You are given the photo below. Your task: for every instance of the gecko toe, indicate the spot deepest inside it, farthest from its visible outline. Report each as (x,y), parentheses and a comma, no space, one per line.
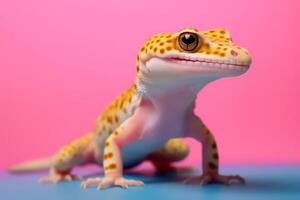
(89,182)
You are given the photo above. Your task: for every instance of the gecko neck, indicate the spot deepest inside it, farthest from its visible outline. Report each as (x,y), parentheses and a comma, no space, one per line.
(177,96)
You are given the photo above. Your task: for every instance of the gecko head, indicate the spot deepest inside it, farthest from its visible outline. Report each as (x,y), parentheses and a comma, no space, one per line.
(191,56)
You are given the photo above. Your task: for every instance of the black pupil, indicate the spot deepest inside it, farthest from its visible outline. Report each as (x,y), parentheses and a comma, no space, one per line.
(188,39)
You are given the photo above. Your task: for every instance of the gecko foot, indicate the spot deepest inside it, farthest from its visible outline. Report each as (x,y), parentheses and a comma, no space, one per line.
(110,181)
(56,178)
(215,178)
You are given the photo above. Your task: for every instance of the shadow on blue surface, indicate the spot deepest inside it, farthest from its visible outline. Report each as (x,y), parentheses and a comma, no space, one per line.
(263,182)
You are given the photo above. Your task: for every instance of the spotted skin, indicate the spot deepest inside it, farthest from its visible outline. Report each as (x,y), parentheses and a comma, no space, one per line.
(74,153)
(149,120)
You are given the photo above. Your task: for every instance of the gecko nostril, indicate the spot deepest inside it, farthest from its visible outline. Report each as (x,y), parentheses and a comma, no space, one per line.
(233,53)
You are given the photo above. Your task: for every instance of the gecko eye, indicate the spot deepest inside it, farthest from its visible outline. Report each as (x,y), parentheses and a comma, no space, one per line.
(189,41)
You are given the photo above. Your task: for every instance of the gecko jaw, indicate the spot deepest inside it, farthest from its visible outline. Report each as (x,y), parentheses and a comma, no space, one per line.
(208,62)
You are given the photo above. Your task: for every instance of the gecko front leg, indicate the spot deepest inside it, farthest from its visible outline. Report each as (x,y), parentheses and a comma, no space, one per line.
(210,156)
(130,130)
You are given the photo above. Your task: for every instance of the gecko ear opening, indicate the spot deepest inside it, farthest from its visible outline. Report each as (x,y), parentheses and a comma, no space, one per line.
(189,41)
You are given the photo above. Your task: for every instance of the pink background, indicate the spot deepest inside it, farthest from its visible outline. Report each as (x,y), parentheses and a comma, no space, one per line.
(62,61)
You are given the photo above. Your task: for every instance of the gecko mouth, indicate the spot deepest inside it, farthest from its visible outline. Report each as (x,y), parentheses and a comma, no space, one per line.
(226,64)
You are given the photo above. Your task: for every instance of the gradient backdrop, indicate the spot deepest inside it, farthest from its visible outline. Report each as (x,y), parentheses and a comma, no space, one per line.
(62,61)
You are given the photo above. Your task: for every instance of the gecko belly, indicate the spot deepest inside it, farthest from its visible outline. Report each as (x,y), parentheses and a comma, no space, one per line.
(154,138)
(136,152)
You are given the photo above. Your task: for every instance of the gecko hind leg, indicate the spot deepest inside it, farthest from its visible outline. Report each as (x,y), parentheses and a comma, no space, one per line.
(59,176)
(76,153)
(174,150)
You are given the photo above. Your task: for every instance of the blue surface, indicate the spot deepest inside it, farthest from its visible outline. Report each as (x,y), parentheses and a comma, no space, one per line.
(263,182)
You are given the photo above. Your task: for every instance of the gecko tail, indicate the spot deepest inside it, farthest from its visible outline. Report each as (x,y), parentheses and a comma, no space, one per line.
(30,166)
